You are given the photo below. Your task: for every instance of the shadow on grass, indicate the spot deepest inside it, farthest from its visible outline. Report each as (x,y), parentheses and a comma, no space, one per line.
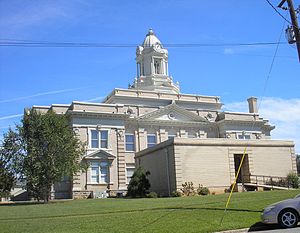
(171,209)
(21,203)
(24,203)
(259,226)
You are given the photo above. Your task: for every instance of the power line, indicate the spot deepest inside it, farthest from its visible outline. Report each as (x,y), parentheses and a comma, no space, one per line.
(112,45)
(278,12)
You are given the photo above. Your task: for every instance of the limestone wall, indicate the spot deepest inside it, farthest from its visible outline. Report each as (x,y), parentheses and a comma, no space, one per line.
(210,162)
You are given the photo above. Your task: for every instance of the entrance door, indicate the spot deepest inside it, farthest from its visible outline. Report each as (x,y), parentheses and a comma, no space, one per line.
(244,175)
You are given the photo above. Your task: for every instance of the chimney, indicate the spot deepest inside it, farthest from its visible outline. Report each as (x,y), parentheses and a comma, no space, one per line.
(252,102)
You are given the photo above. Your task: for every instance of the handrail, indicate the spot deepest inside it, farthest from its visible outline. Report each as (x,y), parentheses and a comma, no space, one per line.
(278,181)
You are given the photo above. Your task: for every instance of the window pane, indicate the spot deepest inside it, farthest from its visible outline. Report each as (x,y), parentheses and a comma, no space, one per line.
(95,144)
(151,140)
(95,135)
(104,137)
(104,174)
(95,175)
(244,137)
(94,139)
(129,140)
(130,147)
(129,173)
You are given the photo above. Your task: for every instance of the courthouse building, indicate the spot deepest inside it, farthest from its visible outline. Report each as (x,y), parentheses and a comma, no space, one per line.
(177,137)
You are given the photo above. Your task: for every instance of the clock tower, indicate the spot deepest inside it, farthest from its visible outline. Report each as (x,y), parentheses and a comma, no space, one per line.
(152,67)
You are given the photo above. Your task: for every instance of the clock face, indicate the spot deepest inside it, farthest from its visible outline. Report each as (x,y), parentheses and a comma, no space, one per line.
(157,46)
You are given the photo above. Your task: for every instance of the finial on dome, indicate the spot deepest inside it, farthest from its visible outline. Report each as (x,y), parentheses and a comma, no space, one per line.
(150,32)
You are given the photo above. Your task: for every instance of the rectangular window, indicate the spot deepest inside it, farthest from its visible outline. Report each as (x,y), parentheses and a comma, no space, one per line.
(129,173)
(99,138)
(99,172)
(244,136)
(94,139)
(129,140)
(151,140)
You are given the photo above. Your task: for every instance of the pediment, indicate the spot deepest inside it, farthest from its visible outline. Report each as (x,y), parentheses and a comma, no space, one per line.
(172,113)
(100,155)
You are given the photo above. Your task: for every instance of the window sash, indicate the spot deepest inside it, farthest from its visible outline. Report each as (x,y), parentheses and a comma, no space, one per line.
(94,139)
(129,142)
(243,136)
(99,172)
(129,174)
(151,140)
(104,174)
(99,139)
(104,138)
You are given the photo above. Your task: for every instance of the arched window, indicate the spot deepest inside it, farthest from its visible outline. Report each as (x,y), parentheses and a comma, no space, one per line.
(157,66)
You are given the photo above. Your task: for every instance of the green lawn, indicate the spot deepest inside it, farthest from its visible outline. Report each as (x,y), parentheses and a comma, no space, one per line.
(185,214)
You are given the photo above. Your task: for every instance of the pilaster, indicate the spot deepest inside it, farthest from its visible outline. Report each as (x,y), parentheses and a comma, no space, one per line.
(121,160)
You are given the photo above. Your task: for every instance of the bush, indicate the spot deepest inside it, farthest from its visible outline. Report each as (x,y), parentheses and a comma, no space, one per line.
(151,195)
(176,194)
(293,180)
(139,183)
(202,190)
(188,189)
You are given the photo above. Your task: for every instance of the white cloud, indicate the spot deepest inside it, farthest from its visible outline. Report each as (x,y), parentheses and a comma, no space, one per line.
(228,51)
(10,116)
(21,16)
(41,94)
(94,99)
(283,113)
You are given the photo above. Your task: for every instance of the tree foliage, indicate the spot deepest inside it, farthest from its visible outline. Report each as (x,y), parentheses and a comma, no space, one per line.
(11,161)
(139,184)
(43,149)
(53,151)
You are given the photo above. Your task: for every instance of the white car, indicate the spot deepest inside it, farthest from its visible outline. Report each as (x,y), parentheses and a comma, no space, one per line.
(285,213)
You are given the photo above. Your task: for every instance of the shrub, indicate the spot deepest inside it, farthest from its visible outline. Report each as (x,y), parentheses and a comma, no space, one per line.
(293,180)
(151,195)
(176,194)
(139,183)
(188,189)
(202,190)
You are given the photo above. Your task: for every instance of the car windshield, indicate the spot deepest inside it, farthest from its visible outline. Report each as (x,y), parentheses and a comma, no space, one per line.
(297,196)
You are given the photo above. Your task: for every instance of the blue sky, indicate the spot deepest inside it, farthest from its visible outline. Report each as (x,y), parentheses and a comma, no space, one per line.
(42,76)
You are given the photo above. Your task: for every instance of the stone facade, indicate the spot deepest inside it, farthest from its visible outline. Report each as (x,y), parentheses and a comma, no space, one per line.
(151,111)
(211,162)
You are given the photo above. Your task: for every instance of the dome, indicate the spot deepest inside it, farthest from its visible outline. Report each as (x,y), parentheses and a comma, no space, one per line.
(151,39)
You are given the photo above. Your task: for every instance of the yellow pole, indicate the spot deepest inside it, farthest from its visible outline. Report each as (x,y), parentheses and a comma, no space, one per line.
(234,183)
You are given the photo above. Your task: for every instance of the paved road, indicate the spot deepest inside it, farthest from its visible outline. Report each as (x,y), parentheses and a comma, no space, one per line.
(263,228)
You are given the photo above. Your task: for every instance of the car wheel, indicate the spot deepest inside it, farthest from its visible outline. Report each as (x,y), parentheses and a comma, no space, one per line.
(288,218)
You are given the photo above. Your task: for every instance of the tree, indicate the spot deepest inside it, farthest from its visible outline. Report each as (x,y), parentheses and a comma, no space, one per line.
(139,184)
(11,160)
(52,151)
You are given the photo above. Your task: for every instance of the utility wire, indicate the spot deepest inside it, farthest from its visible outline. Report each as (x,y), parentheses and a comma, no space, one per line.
(278,12)
(112,45)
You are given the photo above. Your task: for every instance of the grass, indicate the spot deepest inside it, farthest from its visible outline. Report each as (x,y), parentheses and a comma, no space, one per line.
(186,214)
